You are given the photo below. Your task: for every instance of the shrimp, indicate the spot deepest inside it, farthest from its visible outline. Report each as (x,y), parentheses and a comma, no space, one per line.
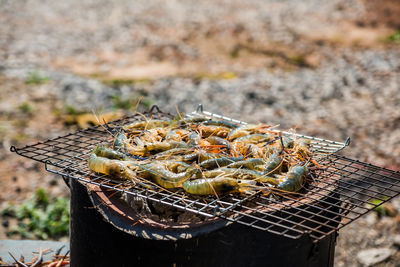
(294,179)
(220,185)
(172,152)
(208,130)
(220,123)
(178,166)
(254,138)
(165,178)
(240,148)
(195,119)
(173,135)
(218,162)
(200,156)
(215,140)
(120,142)
(288,142)
(112,167)
(237,133)
(273,165)
(152,135)
(268,180)
(183,133)
(301,149)
(251,164)
(178,144)
(233,173)
(109,153)
(146,125)
(155,147)
(246,130)
(194,139)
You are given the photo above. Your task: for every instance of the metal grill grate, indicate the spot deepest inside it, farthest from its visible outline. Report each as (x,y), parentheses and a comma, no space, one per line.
(341,193)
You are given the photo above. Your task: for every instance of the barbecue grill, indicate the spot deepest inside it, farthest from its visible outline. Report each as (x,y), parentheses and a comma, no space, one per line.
(340,194)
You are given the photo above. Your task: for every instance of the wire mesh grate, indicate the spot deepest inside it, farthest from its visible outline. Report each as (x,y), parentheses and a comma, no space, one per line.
(342,192)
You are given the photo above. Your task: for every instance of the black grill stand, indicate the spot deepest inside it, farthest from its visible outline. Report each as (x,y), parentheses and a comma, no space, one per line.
(95,242)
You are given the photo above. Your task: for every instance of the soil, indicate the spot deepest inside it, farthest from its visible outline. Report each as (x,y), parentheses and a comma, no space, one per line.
(328,68)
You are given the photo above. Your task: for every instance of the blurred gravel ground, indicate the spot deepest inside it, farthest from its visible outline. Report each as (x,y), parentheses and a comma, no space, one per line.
(326,68)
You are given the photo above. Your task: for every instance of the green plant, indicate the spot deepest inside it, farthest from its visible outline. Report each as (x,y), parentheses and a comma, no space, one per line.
(147,102)
(382,209)
(118,82)
(120,103)
(40,217)
(71,110)
(35,77)
(20,137)
(26,108)
(298,60)
(395,37)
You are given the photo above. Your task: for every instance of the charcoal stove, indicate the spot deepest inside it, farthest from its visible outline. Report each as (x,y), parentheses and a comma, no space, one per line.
(234,230)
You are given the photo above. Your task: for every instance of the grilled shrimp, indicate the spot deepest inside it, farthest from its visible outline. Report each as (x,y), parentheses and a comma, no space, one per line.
(273,165)
(165,178)
(173,135)
(172,152)
(146,125)
(251,164)
(155,147)
(220,123)
(120,142)
(194,139)
(194,119)
(294,179)
(218,162)
(288,142)
(248,150)
(177,166)
(218,185)
(152,135)
(201,156)
(245,157)
(246,130)
(237,133)
(215,140)
(159,146)
(209,130)
(231,172)
(109,153)
(115,168)
(254,138)
(301,148)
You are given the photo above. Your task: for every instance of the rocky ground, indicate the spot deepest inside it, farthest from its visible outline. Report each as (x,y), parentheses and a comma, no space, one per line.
(326,68)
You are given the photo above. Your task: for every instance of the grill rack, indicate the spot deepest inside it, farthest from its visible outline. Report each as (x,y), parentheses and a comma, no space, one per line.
(342,193)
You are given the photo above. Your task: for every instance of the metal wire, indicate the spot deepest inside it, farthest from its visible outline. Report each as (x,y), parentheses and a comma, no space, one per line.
(344,191)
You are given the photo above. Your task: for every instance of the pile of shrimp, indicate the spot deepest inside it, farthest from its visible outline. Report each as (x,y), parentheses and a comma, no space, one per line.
(206,157)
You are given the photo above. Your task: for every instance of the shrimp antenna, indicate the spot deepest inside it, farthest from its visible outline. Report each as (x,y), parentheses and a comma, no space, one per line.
(270,142)
(213,189)
(138,102)
(177,111)
(141,114)
(283,146)
(106,128)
